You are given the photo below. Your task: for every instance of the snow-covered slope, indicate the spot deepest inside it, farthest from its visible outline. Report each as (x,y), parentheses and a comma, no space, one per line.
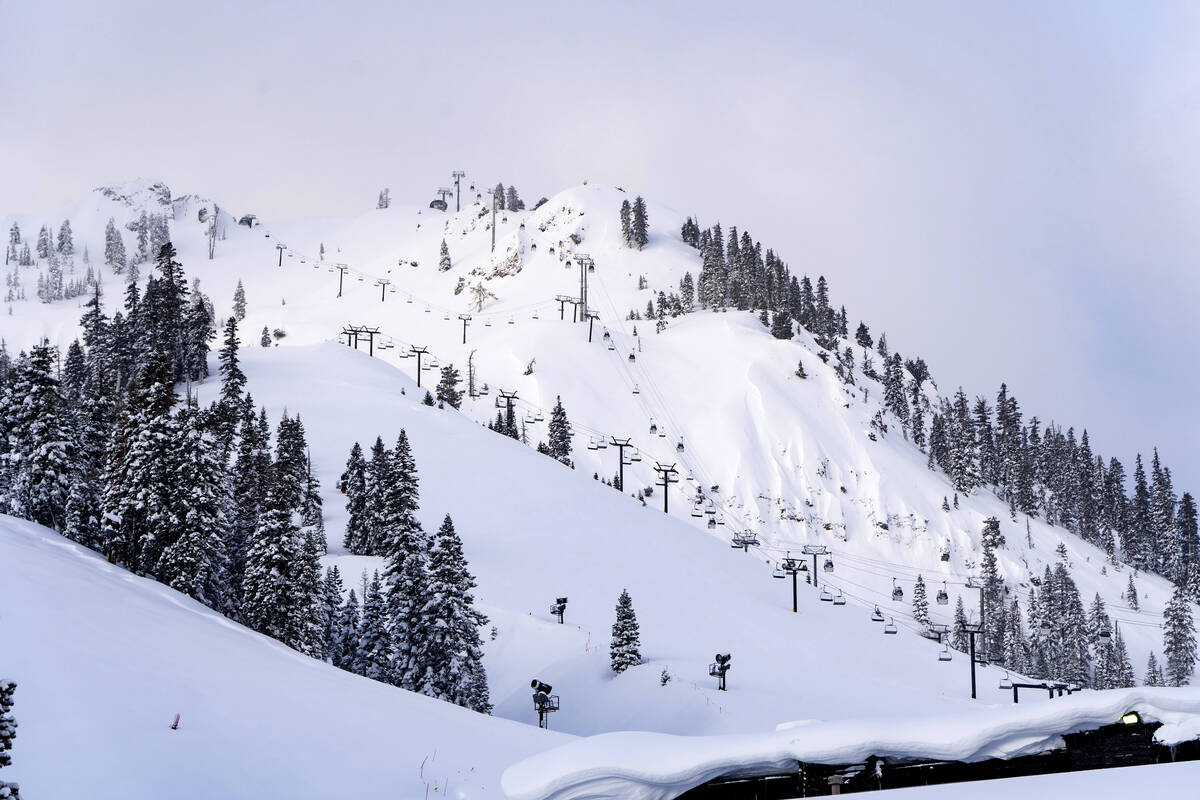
(104,661)
(791,458)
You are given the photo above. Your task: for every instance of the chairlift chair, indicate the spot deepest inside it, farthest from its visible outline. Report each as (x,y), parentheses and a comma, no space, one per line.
(512,321)
(487,323)
(653,428)
(828,565)
(839,599)
(826,596)
(679,447)
(606,336)
(409,300)
(778,573)
(944,655)
(890,628)
(632,357)
(1105,633)
(943,597)
(897,592)
(537,417)
(446,316)
(712,523)
(635,389)
(601,444)
(877,616)
(592,444)
(1006,681)
(696,512)
(612,346)
(360,279)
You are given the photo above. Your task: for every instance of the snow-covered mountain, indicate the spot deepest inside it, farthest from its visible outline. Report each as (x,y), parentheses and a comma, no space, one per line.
(796,461)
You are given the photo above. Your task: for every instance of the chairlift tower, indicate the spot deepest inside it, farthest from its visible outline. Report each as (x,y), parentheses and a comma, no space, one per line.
(505,400)
(793,567)
(457,175)
(562,301)
(620,444)
(465,319)
(558,608)
(815,550)
(667,474)
(972,630)
(382,283)
(352,332)
(591,321)
(418,351)
(977,583)
(586,265)
(342,270)
(280,246)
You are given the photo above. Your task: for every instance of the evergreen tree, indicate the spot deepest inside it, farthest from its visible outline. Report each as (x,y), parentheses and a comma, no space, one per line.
(687,292)
(40,458)
(331,615)
(276,598)
(920,602)
(455,671)
(195,561)
(372,657)
(239,302)
(1131,594)
(348,633)
(353,484)
(863,336)
(411,630)
(640,223)
(781,325)
(8,732)
(625,650)
(114,248)
(1123,677)
(444,258)
(958,636)
(1154,674)
(251,481)
(447,388)
(66,241)
(1179,639)
(627,223)
(559,446)
(233,383)
(265,339)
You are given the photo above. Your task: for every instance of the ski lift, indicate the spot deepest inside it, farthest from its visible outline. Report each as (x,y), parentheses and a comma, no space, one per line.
(877,615)
(537,417)
(360,278)
(1105,632)
(712,523)
(592,444)
(828,565)
(826,596)
(487,323)
(512,321)
(653,428)
(529,420)
(428,310)
(409,300)
(839,599)
(635,457)
(1045,625)
(484,392)
(632,357)
(945,654)
(612,346)
(606,336)
(601,444)
(1006,681)
(535,315)
(697,512)
(890,628)
(446,316)
(778,573)
(679,447)
(943,597)
(897,592)
(635,389)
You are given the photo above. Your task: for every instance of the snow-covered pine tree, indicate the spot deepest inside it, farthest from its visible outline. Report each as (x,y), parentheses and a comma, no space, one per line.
(239,301)
(41,456)
(1104,668)
(640,224)
(265,339)
(332,588)
(233,384)
(920,602)
(353,484)
(348,633)
(625,650)
(1131,594)
(114,248)
(1154,674)
(1123,677)
(274,599)
(958,633)
(195,562)
(8,732)
(410,630)
(455,657)
(447,388)
(781,325)
(289,472)
(1179,639)
(444,257)
(626,223)
(559,445)
(251,481)
(372,657)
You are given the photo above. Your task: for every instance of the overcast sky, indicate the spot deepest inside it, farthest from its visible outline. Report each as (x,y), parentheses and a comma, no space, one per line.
(1011,192)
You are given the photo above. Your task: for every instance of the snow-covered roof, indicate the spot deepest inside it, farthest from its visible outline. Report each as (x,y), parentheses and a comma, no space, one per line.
(652,766)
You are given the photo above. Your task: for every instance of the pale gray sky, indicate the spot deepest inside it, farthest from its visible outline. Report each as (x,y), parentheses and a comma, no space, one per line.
(1010,191)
